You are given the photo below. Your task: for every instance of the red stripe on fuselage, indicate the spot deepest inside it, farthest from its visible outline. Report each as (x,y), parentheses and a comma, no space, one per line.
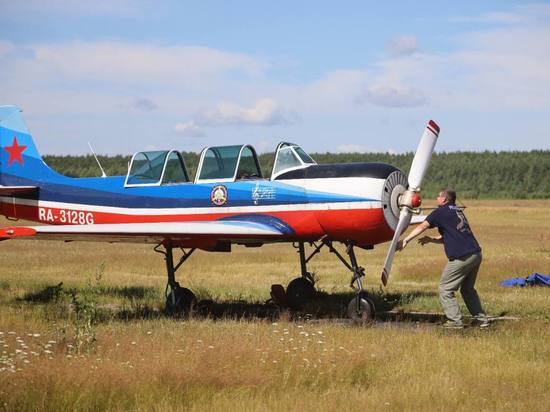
(363,226)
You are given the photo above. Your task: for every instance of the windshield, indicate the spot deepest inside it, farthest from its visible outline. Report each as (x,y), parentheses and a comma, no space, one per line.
(303,155)
(146,168)
(290,156)
(174,172)
(219,162)
(286,159)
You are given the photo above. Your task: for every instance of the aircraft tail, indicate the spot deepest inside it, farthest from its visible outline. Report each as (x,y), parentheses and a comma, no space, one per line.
(20,163)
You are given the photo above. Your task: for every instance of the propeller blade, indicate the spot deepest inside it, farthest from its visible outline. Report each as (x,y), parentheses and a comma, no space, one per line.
(423,155)
(402,224)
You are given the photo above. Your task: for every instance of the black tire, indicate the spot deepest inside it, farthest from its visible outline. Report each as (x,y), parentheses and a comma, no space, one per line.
(298,292)
(362,313)
(183,304)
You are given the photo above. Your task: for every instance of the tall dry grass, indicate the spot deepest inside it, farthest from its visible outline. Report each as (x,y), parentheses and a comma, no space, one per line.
(149,362)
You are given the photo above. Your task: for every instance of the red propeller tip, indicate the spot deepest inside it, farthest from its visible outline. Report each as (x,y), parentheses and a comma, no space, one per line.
(434,126)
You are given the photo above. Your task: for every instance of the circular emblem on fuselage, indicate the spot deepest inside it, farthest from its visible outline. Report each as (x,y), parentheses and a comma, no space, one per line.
(218,196)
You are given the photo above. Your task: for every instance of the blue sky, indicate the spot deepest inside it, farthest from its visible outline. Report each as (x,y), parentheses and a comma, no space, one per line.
(349,76)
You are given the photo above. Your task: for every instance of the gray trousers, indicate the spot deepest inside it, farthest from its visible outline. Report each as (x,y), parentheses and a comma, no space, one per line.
(460,274)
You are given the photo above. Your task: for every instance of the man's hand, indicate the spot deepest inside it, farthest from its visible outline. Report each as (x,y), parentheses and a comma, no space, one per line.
(425,239)
(401,245)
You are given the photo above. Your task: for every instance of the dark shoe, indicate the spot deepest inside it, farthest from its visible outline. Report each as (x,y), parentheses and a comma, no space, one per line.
(451,324)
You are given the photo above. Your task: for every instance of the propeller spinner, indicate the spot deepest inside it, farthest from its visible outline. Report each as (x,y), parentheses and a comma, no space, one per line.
(411,198)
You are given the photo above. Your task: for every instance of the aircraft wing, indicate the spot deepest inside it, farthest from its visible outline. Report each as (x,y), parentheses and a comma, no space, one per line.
(157,232)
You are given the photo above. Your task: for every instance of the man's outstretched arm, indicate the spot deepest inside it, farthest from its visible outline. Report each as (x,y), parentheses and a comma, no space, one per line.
(421,228)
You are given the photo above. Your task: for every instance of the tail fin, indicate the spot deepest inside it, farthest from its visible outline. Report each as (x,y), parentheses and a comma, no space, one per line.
(20,162)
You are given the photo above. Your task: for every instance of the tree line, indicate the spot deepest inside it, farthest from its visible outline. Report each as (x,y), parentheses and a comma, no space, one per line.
(495,175)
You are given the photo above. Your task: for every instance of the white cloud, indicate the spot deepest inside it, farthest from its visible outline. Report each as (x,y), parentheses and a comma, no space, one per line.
(402,46)
(393,96)
(359,148)
(264,112)
(140,103)
(127,63)
(352,148)
(332,93)
(95,77)
(189,129)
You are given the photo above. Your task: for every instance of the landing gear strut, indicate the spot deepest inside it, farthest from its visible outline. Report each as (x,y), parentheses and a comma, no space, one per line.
(361,307)
(300,290)
(179,301)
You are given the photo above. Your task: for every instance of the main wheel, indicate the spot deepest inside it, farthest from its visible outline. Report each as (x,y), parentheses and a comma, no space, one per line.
(180,301)
(361,309)
(298,292)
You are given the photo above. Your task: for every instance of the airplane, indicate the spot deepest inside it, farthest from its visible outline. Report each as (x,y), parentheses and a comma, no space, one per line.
(228,203)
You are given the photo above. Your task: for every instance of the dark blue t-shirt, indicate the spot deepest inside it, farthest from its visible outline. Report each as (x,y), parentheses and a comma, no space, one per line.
(458,239)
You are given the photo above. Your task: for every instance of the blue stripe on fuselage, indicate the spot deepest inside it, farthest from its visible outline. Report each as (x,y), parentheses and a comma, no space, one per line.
(110,191)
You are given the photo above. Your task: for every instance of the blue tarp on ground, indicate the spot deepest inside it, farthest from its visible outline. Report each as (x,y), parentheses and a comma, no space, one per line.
(535,279)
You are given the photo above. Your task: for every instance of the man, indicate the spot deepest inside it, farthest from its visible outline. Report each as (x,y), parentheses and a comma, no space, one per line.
(464,254)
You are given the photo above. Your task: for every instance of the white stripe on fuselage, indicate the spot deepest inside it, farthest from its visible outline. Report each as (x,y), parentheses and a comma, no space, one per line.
(362,187)
(369,204)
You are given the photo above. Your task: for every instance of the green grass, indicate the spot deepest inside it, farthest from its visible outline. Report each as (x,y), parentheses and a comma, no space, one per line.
(142,360)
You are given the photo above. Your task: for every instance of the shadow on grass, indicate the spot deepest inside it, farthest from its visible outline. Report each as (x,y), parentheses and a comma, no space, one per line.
(51,294)
(322,306)
(129,292)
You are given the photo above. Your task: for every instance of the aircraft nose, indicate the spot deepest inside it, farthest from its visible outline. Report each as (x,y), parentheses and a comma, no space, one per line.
(394,187)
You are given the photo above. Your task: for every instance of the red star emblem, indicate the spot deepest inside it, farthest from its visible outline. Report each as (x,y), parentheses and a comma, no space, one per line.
(15,151)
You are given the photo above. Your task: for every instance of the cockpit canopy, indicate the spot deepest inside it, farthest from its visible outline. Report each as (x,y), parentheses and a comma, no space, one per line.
(216,164)
(290,156)
(227,164)
(155,168)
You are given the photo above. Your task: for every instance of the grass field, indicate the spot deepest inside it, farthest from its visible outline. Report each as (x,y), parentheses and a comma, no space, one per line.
(252,359)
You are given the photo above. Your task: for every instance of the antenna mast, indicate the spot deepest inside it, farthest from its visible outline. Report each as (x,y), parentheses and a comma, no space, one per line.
(97,160)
